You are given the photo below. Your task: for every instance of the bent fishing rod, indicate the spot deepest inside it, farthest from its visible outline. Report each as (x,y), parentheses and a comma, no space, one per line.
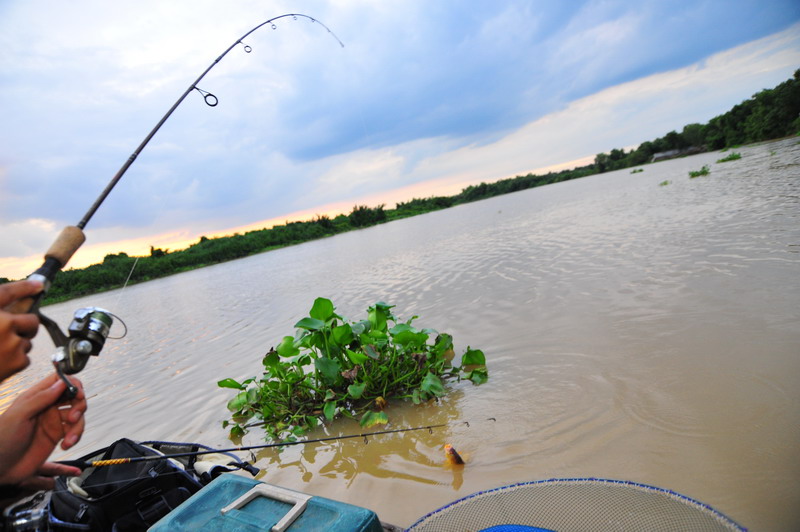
(72,237)
(119,461)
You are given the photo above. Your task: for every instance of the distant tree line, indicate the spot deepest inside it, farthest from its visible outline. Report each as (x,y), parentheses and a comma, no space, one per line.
(769,114)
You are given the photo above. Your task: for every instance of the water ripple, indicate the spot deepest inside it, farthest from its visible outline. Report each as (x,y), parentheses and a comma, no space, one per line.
(632,331)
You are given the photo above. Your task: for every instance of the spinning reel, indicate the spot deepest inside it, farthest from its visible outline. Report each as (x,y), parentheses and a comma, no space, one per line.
(88,332)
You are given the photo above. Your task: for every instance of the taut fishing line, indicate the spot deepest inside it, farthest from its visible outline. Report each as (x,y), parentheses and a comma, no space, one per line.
(127,279)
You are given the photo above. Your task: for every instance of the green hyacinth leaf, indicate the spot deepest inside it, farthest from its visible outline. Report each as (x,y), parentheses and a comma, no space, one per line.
(473,357)
(433,385)
(322,309)
(356,390)
(230,383)
(310,324)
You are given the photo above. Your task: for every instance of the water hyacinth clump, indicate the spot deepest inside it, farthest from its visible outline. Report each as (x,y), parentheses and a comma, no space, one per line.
(733,156)
(334,367)
(698,173)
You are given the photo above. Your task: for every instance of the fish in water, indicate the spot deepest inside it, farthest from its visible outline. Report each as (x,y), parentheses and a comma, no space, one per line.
(451,455)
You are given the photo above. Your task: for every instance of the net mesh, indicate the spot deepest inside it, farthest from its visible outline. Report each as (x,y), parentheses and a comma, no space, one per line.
(566,505)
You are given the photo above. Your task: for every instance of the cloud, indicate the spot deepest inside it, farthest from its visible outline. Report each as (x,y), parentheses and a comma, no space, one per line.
(357,173)
(29,237)
(494,69)
(630,113)
(420,89)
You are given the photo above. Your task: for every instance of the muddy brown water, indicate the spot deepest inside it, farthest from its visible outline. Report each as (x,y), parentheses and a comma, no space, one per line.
(633,331)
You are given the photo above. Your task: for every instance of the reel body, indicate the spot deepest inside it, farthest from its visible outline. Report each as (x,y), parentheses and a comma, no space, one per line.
(88,332)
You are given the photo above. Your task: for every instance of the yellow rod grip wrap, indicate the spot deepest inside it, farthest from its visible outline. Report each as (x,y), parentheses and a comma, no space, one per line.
(113,461)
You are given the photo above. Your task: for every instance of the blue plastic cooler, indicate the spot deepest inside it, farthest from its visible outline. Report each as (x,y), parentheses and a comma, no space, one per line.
(234,503)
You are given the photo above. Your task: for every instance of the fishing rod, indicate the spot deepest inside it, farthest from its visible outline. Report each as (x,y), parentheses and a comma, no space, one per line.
(129,460)
(72,237)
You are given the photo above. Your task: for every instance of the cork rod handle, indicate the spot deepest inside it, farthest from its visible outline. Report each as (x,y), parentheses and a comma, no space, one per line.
(66,244)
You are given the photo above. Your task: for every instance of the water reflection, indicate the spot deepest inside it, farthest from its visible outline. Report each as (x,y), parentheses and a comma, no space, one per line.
(411,455)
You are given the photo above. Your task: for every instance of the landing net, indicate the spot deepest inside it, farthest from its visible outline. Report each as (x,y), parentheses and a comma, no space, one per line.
(577,504)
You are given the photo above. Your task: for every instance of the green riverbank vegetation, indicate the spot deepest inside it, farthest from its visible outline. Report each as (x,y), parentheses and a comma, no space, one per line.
(769,114)
(699,173)
(119,267)
(733,156)
(334,367)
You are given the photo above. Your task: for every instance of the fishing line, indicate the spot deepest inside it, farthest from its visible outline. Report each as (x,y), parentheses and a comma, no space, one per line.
(119,298)
(365,435)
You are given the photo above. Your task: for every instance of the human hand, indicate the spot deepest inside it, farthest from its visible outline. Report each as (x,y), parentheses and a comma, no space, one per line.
(16,330)
(32,427)
(42,480)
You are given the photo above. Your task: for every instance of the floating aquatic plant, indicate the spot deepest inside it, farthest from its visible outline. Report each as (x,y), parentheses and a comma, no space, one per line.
(734,156)
(697,173)
(334,367)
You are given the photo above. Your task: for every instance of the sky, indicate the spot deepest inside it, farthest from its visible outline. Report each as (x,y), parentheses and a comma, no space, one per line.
(423,99)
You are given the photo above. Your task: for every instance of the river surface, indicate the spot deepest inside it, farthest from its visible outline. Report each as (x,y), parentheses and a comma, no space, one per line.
(633,331)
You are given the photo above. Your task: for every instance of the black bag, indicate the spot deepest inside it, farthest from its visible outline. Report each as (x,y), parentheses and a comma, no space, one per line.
(126,497)
(122,498)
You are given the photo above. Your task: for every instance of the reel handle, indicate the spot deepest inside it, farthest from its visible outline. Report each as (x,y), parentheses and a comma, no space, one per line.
(71,392)
(66,244)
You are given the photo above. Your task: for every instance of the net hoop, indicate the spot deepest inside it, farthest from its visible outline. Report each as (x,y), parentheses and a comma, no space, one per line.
(577,504)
